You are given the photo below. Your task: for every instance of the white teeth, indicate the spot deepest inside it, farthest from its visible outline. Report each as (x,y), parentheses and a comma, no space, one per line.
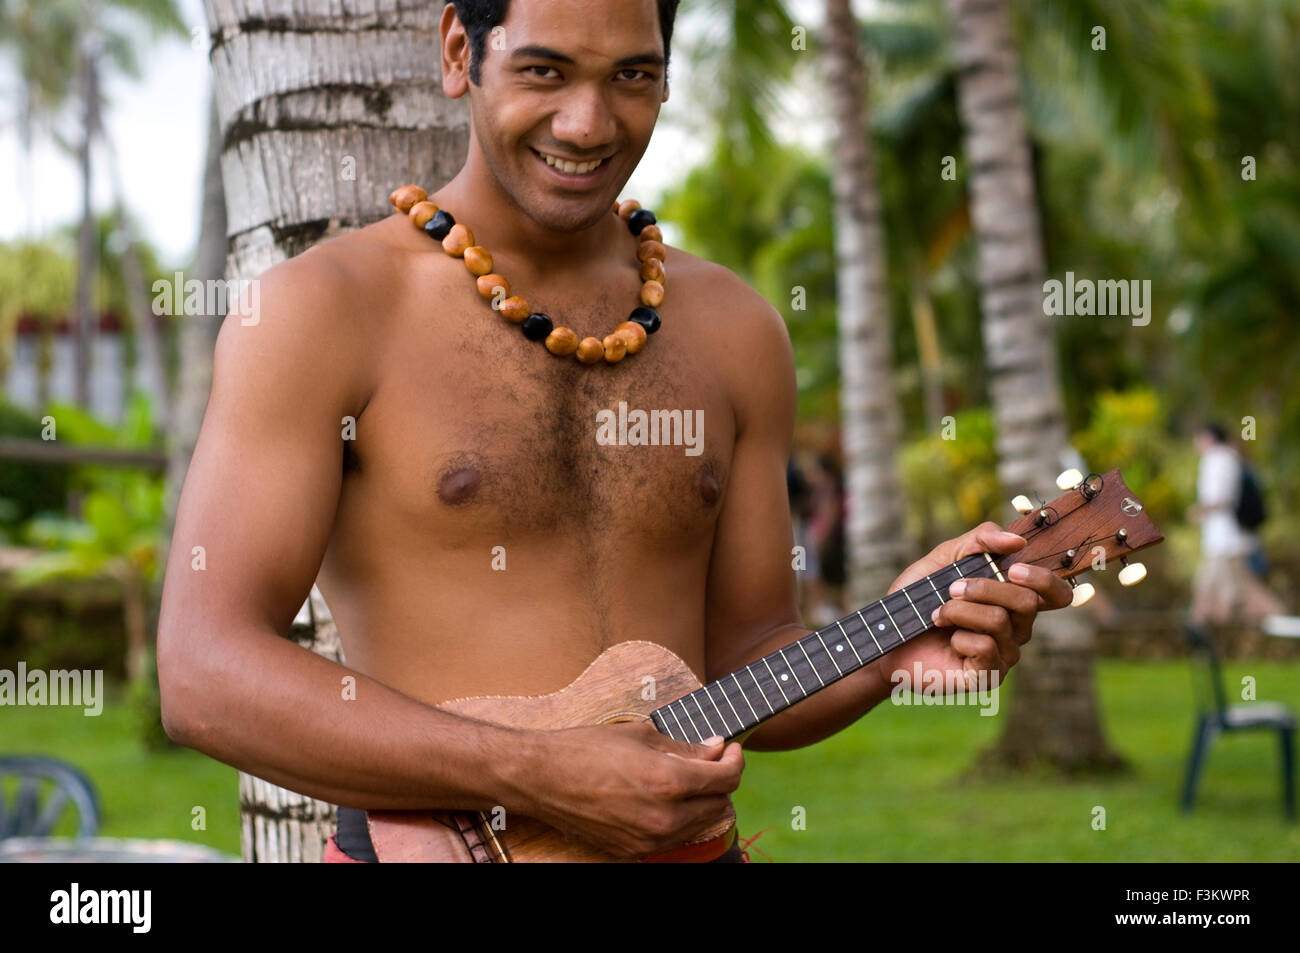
(572,168)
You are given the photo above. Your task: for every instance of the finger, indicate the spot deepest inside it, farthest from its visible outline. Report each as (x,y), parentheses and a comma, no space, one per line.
(989,620)
(702,813)
(1053,591)
(992,538)
(712,777)
(710,749)
(980,649)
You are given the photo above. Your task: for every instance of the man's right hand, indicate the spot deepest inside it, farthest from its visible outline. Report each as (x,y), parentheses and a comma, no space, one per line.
(627,789)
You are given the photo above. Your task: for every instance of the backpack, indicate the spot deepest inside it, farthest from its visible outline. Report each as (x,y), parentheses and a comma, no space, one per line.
(1250,511)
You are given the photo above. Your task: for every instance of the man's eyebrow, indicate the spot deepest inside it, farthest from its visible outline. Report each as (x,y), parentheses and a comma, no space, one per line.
(546,53)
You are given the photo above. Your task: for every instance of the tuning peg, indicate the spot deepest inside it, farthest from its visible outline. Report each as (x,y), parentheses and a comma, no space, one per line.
(1132,574)
(1069,479)
(1083,592)
(1022,505)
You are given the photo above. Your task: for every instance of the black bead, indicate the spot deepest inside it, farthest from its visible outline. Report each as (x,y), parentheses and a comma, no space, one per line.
(640,219)
(438,226)
(537,326)
(648,318)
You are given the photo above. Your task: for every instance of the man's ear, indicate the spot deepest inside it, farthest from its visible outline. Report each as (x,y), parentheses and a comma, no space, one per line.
(665,99)
(455,54)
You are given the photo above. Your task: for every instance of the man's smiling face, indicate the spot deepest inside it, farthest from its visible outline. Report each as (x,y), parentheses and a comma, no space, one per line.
(565,110)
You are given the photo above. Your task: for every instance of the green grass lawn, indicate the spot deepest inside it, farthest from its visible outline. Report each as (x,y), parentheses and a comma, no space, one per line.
(888,788)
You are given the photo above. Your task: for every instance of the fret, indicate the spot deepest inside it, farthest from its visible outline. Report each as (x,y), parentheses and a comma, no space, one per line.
(899,609)
(687,712)
(703,716)
(851,645)
(685,736)
(761,693)
(838,672)
(707,694)
(892,622)
(776,681)
(927,599)
(781,652)
(867,625)
(920,618)
(746,697)
(810,662)
(994,566)
(723,688)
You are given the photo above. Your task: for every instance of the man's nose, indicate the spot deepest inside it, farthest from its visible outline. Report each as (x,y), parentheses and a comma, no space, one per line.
(584,120)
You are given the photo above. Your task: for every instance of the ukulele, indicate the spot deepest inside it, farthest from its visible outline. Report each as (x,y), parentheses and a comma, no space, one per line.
(1096,521)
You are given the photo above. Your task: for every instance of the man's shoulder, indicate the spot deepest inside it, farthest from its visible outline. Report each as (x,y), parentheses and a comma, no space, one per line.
(724,301)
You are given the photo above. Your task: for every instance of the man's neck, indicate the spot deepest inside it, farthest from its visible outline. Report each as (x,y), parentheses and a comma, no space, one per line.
(473,198)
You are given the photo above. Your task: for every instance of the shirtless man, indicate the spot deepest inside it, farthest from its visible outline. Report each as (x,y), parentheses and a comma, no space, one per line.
(469,437)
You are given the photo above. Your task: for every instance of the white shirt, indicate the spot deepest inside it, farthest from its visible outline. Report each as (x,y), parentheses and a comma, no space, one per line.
(1218,483)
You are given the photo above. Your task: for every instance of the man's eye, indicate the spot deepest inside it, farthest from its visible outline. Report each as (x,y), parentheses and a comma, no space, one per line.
(638,73)
(544,69)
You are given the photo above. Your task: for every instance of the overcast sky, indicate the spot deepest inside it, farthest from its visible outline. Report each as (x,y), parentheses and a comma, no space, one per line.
(159,126)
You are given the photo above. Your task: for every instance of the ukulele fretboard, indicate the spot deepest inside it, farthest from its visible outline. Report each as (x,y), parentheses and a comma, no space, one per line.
(746,698)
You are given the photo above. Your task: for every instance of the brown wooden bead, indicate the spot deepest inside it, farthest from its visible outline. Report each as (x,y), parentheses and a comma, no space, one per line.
(562,342)
(651,233)
(457,240)
(627,207)
(590,350)
(652,293)
(421,212)
(488,284)
(633,334)
(478,260)
(407,196)
(650,250)
(615,348)
(652,269)
(515,308)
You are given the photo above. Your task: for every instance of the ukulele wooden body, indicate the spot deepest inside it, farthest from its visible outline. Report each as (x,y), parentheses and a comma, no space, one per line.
(609,691)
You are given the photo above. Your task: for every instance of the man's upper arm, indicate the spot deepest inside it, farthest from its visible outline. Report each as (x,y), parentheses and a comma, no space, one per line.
(751,587)
(263,484)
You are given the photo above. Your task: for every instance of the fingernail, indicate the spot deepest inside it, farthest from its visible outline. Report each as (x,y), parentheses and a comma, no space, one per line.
(1010,536)
(716,739)
(957,588)
(934,616)
(1019,572)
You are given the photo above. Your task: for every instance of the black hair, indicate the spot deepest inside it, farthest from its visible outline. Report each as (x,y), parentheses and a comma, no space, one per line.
(480,16)
(1215,430)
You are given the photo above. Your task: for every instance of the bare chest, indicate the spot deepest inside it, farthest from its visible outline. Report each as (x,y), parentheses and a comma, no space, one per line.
(476,433)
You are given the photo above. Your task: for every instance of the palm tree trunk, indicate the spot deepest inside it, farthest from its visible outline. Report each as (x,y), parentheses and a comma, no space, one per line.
(323,112)
(88,241)
(870,420)
(1053,717)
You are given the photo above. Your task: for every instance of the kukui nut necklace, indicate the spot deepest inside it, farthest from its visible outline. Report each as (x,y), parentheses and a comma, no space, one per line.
(628,338)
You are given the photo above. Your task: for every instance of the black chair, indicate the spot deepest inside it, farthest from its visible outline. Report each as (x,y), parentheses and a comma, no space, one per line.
(44,788)
(1215,715)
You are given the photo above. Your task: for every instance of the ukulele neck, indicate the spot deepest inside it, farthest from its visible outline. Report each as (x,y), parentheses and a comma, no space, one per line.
(762,689)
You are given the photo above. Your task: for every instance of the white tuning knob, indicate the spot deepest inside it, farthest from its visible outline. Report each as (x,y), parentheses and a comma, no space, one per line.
(1069,479)
(1132,574)
(1082,593)
(1022,505)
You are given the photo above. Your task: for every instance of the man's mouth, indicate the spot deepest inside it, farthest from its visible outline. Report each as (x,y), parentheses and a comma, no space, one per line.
(569,168)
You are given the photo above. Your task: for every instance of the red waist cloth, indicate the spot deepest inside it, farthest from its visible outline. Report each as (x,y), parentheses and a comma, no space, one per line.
(333,855)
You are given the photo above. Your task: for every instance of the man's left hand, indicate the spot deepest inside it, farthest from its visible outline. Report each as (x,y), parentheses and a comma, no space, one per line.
(985,622)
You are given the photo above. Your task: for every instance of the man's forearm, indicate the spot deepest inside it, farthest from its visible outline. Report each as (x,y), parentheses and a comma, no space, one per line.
(280,712)
(823,714)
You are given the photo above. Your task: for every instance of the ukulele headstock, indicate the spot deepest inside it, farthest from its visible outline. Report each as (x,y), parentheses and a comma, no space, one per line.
(1097,521)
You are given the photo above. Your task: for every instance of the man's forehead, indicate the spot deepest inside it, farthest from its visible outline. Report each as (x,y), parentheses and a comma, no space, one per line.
(617,30)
